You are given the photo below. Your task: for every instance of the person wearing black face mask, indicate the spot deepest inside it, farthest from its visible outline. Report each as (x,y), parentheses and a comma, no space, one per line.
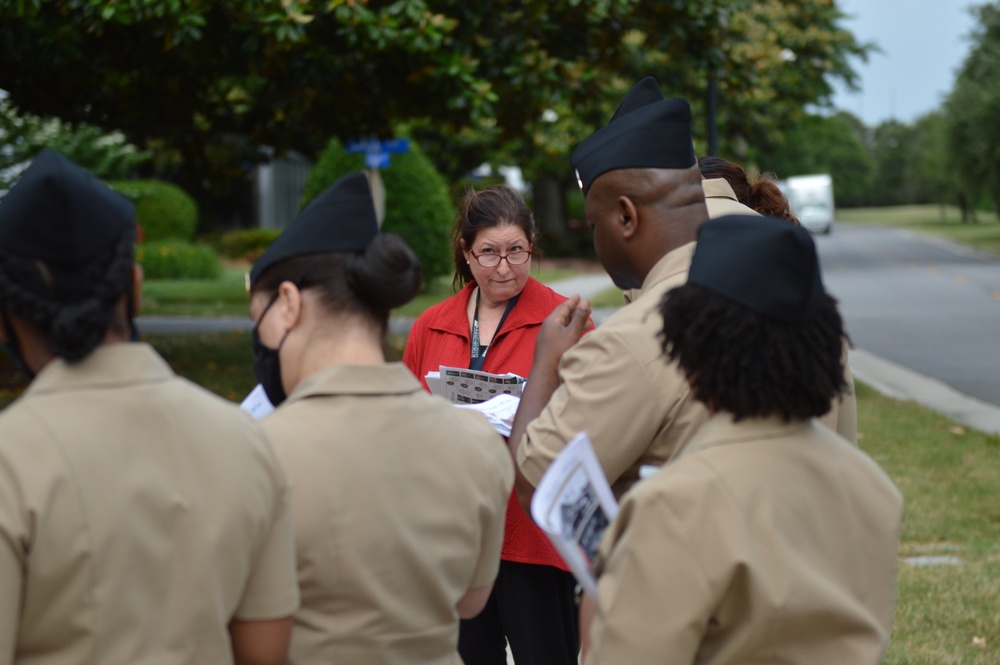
(142,518)
(399,498)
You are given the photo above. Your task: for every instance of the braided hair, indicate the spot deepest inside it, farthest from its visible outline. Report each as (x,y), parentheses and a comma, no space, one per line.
(752,365)
(73,311)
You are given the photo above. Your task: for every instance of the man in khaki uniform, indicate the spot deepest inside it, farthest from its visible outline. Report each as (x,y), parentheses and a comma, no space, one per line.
(769,539)
(645,203)
(399,497)
(142,519)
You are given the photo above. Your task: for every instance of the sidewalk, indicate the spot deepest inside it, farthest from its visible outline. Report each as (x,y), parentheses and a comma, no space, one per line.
(886,377)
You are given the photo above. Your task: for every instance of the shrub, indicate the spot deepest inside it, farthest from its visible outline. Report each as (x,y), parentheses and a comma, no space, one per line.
(162,209)
(245,244)
(417,205)
(174,259)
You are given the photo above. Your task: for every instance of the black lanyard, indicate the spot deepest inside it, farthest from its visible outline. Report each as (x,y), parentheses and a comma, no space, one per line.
(478,359)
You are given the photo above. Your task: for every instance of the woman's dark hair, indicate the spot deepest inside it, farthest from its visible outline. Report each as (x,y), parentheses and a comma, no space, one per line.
(751,365)
(757,191)
(72,310)
(496,206)
(369,283)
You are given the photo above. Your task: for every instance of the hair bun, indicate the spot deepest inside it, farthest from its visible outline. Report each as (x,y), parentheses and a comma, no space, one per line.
(77,329)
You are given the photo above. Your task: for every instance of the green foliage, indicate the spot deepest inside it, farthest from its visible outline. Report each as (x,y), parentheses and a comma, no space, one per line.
(162,209)
(972,120)
(509,82)
(175,259)
(243,244)
(826,144)
(106,155)
(417,205)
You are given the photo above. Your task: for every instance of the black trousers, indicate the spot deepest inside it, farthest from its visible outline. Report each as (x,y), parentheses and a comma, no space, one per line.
(532,607)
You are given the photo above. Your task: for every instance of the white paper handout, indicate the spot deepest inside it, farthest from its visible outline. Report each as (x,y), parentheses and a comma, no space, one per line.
(573,504)
(467,386)
(500,411)
(256,403)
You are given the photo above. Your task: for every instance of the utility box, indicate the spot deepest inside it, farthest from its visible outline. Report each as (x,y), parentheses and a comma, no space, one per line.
(811,199)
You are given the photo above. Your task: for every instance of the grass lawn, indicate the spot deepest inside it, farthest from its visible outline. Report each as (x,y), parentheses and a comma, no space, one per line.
(940,221)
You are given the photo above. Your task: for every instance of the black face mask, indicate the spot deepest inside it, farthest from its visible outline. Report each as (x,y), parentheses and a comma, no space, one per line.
(267,362)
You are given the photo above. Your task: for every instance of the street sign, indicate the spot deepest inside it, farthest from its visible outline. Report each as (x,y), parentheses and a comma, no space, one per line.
(377,152)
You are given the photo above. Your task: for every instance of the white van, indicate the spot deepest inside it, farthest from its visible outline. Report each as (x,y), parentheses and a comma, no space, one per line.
(811,199)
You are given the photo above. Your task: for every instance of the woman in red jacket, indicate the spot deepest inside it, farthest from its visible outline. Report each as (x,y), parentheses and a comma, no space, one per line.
(491,325)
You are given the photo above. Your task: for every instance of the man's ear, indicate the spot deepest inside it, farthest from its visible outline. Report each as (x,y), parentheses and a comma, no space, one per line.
(628,217)
(137,276)
(289,304)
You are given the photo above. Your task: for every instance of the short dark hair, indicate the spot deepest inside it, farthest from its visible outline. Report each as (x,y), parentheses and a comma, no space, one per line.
(73,310)
(492,207)
(370,283)
(751,365)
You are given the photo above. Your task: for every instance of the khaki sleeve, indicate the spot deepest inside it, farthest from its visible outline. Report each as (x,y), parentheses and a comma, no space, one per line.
(606,391)
(497,485)
(11,565)
(272,591)
(653,596)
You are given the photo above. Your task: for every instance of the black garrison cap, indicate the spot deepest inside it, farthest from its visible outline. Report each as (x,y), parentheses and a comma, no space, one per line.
(341,219)
(646,132)
(765,264)
(62,215)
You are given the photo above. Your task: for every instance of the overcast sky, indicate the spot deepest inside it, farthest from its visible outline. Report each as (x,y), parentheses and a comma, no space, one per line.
(923,43)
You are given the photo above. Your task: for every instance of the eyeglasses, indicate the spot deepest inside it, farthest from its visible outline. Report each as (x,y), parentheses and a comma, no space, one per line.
(515,258)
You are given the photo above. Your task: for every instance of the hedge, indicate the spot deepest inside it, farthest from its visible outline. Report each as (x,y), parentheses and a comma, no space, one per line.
(175,259)
(418,207)
(163,210)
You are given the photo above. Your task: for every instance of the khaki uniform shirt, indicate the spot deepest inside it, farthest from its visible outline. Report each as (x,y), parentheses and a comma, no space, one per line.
(139,514)
(617,385)
(399,501)
(765,542)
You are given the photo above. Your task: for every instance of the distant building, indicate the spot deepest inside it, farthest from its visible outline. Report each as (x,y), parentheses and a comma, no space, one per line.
(278,188)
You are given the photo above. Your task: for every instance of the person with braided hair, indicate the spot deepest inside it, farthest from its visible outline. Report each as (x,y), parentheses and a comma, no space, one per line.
(769,538)
(142,519)
(730,190)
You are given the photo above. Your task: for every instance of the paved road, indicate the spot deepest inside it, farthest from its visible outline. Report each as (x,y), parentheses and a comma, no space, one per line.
(924,304)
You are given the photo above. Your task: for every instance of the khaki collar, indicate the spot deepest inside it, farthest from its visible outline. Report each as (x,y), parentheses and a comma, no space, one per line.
(387,379)
(107,366)
(675,263)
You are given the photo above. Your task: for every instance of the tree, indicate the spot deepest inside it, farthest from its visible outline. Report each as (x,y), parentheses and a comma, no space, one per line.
(214,80)
(972,115)
(107,155)
(826,144)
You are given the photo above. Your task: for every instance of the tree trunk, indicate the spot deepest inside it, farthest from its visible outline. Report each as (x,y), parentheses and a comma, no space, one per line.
(550,210)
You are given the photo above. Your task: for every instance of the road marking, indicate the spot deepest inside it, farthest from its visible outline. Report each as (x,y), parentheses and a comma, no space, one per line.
(961,280)
(996,295)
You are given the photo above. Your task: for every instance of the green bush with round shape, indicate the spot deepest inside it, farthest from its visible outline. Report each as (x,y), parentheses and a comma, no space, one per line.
(417,206)
(176,259)
(162,209)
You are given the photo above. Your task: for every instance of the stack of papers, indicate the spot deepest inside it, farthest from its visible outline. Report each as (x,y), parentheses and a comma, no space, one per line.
(466,386)
(500,411)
